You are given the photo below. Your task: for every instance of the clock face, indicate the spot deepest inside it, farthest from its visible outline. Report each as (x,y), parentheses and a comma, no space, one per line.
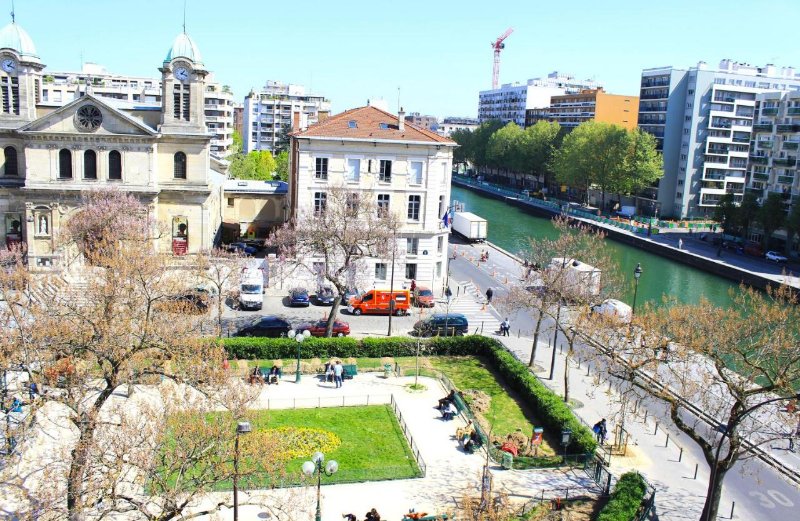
(181,73)
(9,65)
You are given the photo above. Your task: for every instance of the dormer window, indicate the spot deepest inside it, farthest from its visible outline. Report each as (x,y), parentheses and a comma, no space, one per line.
(383,126)
(352,124)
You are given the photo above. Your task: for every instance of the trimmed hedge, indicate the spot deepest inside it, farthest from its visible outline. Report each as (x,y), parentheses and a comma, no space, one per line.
(549,407)
(625,499)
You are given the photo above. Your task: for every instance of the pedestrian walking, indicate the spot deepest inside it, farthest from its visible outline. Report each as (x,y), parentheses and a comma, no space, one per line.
(600,430)
(680,244)
(338,370)
(489,294)
(505,327)
(448,294)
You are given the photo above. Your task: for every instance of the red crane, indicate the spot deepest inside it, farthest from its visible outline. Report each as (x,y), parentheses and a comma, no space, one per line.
(498,46)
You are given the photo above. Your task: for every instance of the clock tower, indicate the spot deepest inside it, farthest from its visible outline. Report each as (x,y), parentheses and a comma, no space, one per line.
(183,89)
(20,77)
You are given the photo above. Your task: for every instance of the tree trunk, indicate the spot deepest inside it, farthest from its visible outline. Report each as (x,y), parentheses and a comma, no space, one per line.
(714,492)
(332,315)
(566,373)
(536,339)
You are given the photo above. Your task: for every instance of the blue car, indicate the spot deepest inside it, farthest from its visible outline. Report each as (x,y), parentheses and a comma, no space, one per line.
(242,247)
(298,297)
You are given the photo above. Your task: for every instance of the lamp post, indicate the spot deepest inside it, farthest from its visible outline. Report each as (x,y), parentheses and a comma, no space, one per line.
(241,428)
(566,435)
(300,338)
(637,272)
(725,430)
(315,466)
(391,281)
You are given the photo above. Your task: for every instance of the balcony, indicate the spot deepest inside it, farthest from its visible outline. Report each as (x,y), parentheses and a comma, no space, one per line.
(784,161)
(769,111)
(793,111)
(786,179)
(765,144)
(760,177)
(758,160)
(785,128)
(790,145)
(762,127)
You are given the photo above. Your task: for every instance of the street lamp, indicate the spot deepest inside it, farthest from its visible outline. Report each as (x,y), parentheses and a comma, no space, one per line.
(315,467)
(300,338)
(637,272)
(241,428)
(566,435)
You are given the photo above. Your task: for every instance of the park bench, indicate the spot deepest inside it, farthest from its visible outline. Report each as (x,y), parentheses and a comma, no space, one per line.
(265,371)
(350,370)
(435,517)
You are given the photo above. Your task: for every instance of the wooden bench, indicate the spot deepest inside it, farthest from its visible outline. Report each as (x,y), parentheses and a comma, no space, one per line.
(436,517)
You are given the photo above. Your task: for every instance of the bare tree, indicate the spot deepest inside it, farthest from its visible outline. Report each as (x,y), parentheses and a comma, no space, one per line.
(723,373)
(87,347)
(344,231)
(221,270)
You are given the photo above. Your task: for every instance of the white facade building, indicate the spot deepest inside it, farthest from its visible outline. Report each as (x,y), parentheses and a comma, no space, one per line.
(510,101)
(702,119)
(450,125)
(404,167)
(275,107)
(143,92)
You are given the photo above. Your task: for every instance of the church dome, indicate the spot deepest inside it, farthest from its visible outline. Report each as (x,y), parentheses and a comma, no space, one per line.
(12,36)
(184,47)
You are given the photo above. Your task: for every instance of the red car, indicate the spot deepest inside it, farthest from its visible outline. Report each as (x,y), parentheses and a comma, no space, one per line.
(424,297)
(318,328)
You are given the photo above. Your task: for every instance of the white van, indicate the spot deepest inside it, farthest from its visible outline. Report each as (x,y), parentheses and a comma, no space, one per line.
(252,285)
(614,309)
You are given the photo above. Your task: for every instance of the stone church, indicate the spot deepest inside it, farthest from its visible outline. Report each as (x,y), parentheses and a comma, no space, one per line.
(53,152)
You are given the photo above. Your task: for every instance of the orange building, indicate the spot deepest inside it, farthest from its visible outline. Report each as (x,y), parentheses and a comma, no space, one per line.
(570,110)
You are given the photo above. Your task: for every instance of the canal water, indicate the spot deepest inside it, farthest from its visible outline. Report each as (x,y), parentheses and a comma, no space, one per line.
(511,227)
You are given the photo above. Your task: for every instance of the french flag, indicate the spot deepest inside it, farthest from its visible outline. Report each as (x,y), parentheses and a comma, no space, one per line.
(446,219)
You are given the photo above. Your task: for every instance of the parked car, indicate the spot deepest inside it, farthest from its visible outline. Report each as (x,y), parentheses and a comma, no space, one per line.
(348,294)
(615,310)
(242,248)
(269,326)
(754,249)
(298,297)
(324,296)
(195,301)
(442,324)
(774,256)
(424,297)
(318,328)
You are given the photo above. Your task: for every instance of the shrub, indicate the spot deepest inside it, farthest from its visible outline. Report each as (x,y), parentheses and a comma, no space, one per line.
(625,499)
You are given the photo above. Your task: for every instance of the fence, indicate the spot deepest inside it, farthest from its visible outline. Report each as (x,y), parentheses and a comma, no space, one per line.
(329,401)
(409,438)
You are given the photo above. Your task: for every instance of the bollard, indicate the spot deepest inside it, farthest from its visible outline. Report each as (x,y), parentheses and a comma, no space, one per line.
(517,333)
(680,455)
(733,504)
(481,326)
(579,363)
(587,369)
(667,443)
(655,431)
(645,415)
(695,470)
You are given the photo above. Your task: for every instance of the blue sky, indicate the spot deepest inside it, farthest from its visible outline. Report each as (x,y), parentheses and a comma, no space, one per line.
(437,51)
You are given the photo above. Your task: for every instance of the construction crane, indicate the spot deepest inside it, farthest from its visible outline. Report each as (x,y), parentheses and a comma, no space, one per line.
(498,46)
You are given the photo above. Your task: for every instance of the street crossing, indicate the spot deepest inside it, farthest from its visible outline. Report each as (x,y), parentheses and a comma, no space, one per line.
(467,300)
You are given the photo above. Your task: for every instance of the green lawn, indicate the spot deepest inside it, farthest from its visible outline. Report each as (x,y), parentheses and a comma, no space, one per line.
(372,448)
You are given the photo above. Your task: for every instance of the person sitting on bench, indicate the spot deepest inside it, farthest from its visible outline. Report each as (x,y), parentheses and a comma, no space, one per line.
(473,441)
(274,375)
(256,376)
(447,399)
(450,411)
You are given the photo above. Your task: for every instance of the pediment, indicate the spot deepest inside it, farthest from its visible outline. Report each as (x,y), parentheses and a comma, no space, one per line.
(91,116)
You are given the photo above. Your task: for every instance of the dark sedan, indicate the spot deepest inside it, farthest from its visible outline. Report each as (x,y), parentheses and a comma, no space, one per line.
(318,328)
(324,296)
(298,297)
(270,326)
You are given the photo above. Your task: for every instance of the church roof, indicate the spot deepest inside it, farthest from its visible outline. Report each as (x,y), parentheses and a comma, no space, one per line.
(12,36)
(184,47)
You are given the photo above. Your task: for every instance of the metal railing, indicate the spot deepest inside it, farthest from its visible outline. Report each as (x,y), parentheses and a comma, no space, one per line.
(409,438)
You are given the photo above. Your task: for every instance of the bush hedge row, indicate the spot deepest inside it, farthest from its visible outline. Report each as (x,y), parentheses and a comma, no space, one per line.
(625,499)
(549,407)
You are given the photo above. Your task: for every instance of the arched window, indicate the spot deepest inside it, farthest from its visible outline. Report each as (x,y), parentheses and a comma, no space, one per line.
(180,165)
(90,165)
(65,164)
(12,168)
(115,165)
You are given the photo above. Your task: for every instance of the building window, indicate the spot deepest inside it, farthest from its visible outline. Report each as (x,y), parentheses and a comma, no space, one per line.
(383,205)
(411,271)
(353,170)
(414,202)
(64,164)
(352,204)
(12,167)
(10,88)
(321,168)
(380,270)
(179,168)
(320,202)
(439,244)
(230,202)
(90,165)
(180,98)
(416,172)
(412,246)
(439,269)
(441,206)
(115,166)
(386,171)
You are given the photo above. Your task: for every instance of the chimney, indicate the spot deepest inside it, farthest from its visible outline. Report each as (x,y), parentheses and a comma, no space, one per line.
(401,120)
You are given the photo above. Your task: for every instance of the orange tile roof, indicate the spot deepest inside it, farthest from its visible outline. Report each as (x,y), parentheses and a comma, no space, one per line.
(368,127)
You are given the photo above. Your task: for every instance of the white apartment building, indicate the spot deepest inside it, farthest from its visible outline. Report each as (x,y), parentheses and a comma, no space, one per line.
(142,93)
(275,107)
(702,119)
(405,168)
(511,100)
(451,124)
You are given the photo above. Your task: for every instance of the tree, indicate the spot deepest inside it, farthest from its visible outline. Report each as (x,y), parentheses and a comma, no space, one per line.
(348,230)
(644,165)
(748,213)
(734,366)
(258,165)
(728,214)
(537,147)
(88,347)
(503,148)
(282,166)
(282,143)
(771,216)
(463,153)
(480,143)
(238,145)
(221,271)
(792,227)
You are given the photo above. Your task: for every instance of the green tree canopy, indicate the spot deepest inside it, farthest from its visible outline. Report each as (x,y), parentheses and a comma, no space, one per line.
(237,146)
(537,145)
(504,148)
(256,165)
(771,216)
(282,166)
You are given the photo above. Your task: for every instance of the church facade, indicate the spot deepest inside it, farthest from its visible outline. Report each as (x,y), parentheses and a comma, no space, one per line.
(51,154)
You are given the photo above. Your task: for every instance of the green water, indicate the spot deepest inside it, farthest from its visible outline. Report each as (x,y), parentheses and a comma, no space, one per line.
(510,227)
